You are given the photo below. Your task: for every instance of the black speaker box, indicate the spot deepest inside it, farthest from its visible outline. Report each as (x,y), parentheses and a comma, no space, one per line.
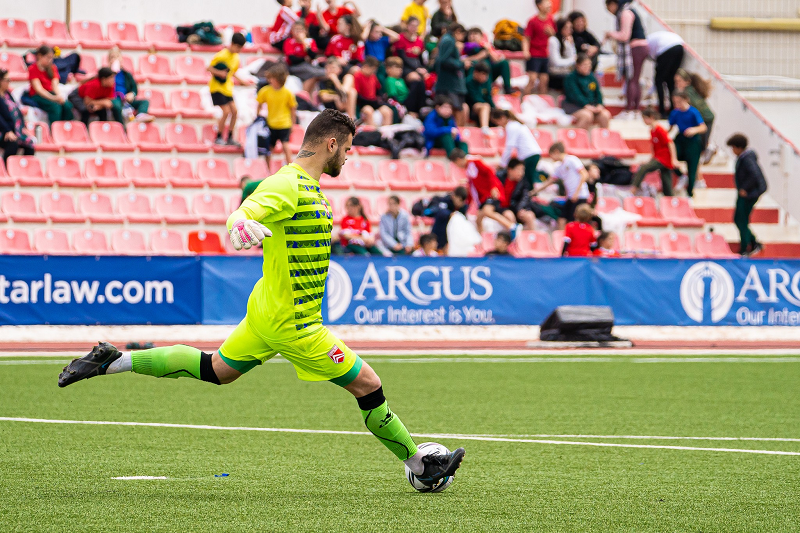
(579,323)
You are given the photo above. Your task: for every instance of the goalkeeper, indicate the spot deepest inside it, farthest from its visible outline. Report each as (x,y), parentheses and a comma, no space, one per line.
(290,214)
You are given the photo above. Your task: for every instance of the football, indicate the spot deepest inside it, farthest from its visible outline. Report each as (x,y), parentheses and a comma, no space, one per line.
(425,448)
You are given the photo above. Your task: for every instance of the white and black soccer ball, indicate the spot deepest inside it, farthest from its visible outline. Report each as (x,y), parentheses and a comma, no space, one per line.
(425,448)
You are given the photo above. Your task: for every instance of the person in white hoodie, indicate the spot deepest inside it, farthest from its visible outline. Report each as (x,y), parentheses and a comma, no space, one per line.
(561,54)
(519,138)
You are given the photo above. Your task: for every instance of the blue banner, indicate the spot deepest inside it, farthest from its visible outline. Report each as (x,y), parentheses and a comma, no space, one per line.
(99,290)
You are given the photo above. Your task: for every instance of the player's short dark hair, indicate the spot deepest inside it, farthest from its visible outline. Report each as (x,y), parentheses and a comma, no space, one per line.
(456,27)
(457,154)
(461,192)
(504,236)
(441,100)
(575,15)
(557,147)
(372,62)
(238,39)
(104,73)
(426,238)
(737,140)
(482,67)
(514,162)
(329,123)
(650,113)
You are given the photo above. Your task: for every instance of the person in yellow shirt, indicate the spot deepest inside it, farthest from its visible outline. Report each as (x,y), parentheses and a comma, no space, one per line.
(281,110)
(417,9)
(223,67)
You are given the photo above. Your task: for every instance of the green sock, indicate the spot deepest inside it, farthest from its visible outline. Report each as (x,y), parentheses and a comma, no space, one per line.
(168,362)
(385,425)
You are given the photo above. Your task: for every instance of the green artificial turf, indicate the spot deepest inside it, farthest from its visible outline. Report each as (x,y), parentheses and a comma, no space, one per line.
(57,477)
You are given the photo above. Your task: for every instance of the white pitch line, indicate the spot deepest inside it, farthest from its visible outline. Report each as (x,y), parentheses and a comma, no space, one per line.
(644,437)
(421,435)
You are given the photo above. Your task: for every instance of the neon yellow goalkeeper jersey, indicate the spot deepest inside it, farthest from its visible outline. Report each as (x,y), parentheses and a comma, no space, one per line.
(286,303)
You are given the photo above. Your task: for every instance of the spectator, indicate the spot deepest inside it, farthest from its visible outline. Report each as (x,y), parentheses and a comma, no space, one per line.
(579,235)
(281,110)
(698,90)
(487,190)
(561,54)
(632,51)
(301,53)
(44,91)
(441,208)
(585,41)
(665,158)
(502,241)
(479,96)
(345,44)
(450,72)
(355,235)
(363,97)
(606,245)
(332,93)
(443,18)
(248,186)
(13,135)
(223,68)
(519,138)
(395,229)
(409,48)
(378,40)
(688,142)
(94,96)
(418,10)
(573,175)
(334,12)
(750,184)
(317,28)
(666,49)
(126,92)
(440,128)
(282,27)
(517,193)
(479,48)
(583,98)
(538,32)
(411,95)
(428,246)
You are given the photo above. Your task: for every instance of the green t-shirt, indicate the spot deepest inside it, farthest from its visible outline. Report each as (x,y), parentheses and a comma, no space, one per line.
(249,189)
(700,103)
(479,92)
(396,88)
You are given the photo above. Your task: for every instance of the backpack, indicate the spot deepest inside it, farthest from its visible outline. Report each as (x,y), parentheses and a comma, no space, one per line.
(613,171)
(508,35)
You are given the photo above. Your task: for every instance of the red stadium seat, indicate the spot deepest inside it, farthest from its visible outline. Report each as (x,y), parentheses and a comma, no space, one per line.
(459,175)
(646,208)
(558,241)
(127,64)
(13,63)
(184,138)
(433,176)
(382,204)
(255,168)
(66,172)
(398,176)
(155,68)
(192,70)
(361,174)
(89,242)
(202,242)
(110,136)
(179,173)
(188,104)
(53,33)
(534,244)
(97,207)
(296,138)
(21,207)
(14,33)
(677,245)
(5,179)
(13,241)
(72,136)
(27,171)
(478,143)
(210,208)
(128,242)
(163,36)
(51,241)
(607,204)
(640,243)
(369,211)
(126,36)
(158,104)
(516,69)
(576,142)
(260,36)
(59,207)
(142,173)
(147,137)
(215,173)
(611,143)
(173,209)
(545,140)
(340,182)
(208,136)
(89,34)
(136,208)
(167,242)
(41,131)
(508,101)
(680,213)
(88,66)
(713,245)
(103,172)
(488,241)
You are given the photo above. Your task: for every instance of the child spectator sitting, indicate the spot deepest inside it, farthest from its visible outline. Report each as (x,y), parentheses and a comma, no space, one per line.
(223,68)
(665,158)
(689,141)
(519,138)
(281,110)
(410,96)
(441,208)
(501,244)
(282,27)
(355,235)
(363,96)
(573,175)
(418,10)
(345,44)
(428,246)
(487,190)
(332,94)
(585,41)
(126,91)
(583,98)
(440,128)
(478,48)
(301,52)
(698,90)
(606,245)
(517,192)
(562,54)
(334,12)
(395,229)
(450,72)
(44,91)
(579,235)
(538,32)
(479,96)
(409,48)
(312,21)
(13,134)
(93,98)
(378,40)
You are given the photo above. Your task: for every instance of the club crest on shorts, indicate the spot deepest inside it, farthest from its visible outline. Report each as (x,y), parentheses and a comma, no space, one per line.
(336,355)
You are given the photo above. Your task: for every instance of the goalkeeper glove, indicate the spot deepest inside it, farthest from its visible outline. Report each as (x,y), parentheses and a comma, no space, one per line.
(247,233)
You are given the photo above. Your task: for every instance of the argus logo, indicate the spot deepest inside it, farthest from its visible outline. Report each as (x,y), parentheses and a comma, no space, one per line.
(693,288)
(340,291)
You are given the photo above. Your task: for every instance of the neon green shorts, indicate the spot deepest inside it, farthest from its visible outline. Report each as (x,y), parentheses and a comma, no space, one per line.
(319,356)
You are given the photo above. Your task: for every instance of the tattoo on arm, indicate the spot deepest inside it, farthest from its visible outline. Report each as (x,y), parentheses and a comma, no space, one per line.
(305,153)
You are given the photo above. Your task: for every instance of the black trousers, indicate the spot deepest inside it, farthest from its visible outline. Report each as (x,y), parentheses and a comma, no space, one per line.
(667,64)
(12,148)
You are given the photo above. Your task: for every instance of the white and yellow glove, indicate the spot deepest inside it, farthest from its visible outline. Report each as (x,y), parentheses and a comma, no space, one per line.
(247,233)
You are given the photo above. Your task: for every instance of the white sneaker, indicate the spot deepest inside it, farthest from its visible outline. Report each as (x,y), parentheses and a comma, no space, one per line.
(145,117)
(487,131)
(683,182)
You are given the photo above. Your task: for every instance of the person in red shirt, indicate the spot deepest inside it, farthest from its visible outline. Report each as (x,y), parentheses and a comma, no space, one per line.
(579,235)
(301,56)
(345,46)
(363,99)
(313,25)
(606,245)
(539,29)
(409,48)
(665,157)
(331,16)
(44,90)
(95,96)
(487,190)
(356,233)
(282,27)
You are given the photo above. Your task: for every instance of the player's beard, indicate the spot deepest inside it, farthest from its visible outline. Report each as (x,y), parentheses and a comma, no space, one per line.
(333,166)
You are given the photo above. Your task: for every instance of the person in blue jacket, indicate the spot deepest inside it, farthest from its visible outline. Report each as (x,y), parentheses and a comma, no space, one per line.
(440,127)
